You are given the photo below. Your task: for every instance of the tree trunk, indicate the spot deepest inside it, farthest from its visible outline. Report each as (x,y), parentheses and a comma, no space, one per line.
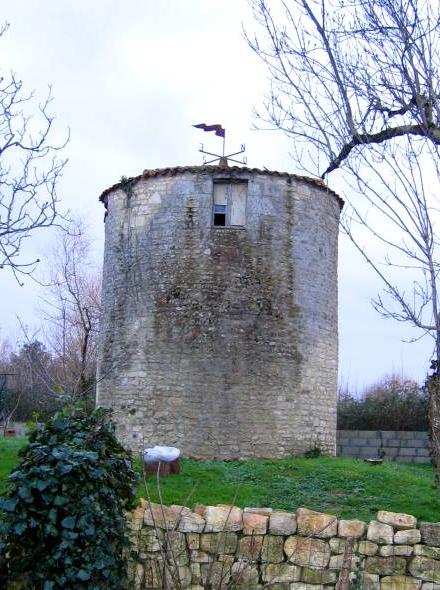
(433,386)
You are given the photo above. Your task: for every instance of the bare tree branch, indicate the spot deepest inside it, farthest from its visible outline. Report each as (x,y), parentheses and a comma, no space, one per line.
(358,84)
(29,171)
(348,76)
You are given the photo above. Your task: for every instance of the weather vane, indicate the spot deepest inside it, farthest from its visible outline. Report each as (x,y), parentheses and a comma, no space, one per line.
(223,159)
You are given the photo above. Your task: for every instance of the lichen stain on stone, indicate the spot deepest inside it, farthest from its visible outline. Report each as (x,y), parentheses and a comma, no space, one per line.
(198,297)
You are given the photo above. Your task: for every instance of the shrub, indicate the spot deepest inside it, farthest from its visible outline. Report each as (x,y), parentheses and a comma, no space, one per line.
(391,404)
(63,522)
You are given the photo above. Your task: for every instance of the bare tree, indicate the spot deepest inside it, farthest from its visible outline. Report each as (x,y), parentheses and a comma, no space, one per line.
(29,171)
(8,402)
(65,364)
(357,87)
(349,75)
(72,312)
(28,385)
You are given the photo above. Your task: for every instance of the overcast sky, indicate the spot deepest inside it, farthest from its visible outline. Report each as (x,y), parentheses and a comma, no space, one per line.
(129,79)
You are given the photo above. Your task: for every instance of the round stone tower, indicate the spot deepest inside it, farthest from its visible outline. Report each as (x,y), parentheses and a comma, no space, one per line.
(219,312)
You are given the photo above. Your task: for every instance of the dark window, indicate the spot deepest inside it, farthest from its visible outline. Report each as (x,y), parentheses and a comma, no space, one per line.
(220,215)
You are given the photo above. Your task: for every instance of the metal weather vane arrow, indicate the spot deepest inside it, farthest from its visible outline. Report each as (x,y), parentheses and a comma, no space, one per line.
(216,127)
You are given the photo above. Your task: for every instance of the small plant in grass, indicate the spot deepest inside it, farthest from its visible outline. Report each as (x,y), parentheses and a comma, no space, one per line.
(313,453)
(63,523)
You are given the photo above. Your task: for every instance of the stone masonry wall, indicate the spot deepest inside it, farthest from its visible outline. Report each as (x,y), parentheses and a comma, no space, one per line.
(403,447)
(255,548)
(221,341)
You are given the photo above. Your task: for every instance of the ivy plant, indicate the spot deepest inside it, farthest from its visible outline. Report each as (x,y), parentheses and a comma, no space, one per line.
(62,523)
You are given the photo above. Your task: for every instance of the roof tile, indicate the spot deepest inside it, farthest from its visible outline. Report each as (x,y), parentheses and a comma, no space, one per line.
(230,170)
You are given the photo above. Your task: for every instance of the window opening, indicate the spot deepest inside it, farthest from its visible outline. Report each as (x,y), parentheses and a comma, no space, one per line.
(229,206)
(220,215)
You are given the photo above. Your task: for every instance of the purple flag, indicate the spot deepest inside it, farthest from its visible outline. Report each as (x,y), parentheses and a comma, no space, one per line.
(217,128)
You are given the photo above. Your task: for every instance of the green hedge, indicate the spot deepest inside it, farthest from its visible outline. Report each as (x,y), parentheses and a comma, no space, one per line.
(391,404)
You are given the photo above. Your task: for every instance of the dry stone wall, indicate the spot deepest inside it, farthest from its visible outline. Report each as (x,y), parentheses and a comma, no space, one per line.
(254,548)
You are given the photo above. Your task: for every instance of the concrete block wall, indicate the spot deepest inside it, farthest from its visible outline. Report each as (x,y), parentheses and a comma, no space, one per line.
(254,548)
(403,447)
(20,428)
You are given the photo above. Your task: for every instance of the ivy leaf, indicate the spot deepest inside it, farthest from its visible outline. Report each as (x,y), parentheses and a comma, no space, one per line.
(24,493)
(42,484)
(90,530)
(53,515)
(59,454)
(60,424)
(50,530)
(20,527)
(60,500)
(8,505)
(83,575)
(68,522)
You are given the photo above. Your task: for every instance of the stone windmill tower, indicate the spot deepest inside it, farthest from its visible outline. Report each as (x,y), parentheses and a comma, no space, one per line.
(219,327)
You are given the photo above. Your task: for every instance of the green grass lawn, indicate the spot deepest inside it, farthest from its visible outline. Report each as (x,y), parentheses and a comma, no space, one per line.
(9,447)
(344,487)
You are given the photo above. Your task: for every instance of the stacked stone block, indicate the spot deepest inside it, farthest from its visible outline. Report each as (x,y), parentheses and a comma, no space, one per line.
(403,447)
(254,548)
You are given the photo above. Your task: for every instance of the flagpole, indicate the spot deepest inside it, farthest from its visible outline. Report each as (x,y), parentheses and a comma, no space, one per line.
(224,138)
